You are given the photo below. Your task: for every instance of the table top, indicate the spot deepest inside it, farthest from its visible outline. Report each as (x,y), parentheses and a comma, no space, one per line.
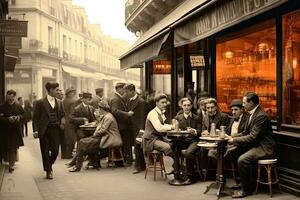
(207,144)
(209,138)
(88,127)
(178,134)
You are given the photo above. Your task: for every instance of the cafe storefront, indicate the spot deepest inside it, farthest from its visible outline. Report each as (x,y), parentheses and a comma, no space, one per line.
(231,47)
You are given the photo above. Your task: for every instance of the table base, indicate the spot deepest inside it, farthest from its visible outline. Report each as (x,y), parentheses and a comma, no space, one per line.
(221,187)
(176,182)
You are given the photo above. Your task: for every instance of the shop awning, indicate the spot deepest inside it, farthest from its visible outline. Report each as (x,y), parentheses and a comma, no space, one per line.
(208,20)
(149,44)
(81,73)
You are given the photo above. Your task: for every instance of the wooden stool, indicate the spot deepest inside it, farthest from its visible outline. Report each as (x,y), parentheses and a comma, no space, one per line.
(152,157)
(268,165)
(112,156)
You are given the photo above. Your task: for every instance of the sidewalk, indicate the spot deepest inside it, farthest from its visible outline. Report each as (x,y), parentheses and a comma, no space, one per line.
(28,182)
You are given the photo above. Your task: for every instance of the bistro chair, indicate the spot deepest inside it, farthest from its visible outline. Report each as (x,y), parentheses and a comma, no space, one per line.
(268,165)
(115,154)
(154,157)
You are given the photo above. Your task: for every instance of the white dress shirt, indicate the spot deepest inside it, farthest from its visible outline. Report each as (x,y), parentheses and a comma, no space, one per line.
(153,117)
(51,100)
(235,126)
(134,97)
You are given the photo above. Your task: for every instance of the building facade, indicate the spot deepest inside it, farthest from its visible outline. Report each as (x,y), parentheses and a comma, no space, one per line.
(227,48)
(63,46)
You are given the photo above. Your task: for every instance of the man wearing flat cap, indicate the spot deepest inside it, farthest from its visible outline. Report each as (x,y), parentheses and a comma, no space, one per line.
(47,124)
(69,137)
(99,96)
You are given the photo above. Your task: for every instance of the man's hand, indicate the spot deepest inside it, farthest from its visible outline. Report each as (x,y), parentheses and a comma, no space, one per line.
(230,139)
(130,113)
(35,134)
(205,133)
(192,131)
(12,119)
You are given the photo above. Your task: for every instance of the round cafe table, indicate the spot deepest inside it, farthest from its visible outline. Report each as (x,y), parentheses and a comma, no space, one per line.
(177,138)
(221,146)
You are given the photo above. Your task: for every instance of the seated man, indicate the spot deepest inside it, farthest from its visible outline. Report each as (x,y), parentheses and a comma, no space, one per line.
(107,127)
(190,122)
(155,124)
(237,125)
(259,137)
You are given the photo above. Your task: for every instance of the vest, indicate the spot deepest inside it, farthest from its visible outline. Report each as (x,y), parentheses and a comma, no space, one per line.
(53,116)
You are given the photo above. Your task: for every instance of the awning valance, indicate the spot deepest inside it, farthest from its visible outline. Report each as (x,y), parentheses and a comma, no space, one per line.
(149,44)
(208,20)
(81,73)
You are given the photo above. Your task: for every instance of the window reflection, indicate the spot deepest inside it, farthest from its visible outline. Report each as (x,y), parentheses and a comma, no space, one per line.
(246,62)
(291,68)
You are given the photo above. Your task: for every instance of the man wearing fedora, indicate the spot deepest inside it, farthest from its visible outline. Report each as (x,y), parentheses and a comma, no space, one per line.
(47,124)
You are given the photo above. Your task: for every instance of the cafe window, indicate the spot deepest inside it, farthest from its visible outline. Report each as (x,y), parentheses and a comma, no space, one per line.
(161,76)
(291,68)
(246,61)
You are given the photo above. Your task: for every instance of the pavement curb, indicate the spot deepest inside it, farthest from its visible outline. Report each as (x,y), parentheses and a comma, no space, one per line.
(2,170)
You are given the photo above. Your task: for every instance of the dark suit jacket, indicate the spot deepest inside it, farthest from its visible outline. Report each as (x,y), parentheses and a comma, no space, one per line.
(138,106)
(194,123)
(241,126)
(41,115)
(118,109)
(79,113)
(258,133)
(220,119)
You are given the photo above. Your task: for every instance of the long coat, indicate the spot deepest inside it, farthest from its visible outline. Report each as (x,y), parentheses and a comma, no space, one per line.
(41,115)
(69,132)
(10,134)
(137,121)
(118,109)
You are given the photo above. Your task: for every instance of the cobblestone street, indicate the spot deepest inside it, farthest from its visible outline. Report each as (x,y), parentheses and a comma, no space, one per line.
(28,183)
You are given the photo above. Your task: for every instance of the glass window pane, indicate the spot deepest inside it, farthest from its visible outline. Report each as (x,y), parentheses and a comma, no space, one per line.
(291,68)
(161,77)
(246,61)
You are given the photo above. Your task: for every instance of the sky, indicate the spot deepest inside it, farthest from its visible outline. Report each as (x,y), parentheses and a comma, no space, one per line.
(110,14)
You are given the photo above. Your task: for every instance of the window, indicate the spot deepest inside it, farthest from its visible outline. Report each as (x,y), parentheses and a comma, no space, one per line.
(50,36)
(161,76)
(291,68)
(246,61)
(64,43)
(70,45)
(76,53)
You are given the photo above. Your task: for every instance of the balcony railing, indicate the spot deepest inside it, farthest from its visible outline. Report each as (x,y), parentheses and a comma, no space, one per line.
(131,6)
(53,50)
(35,44)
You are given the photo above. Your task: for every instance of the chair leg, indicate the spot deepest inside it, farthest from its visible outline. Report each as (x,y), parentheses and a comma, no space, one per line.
(147,167)
(258,178)
(270,179)
(154,162)
(109,157)
(276,178)
(161,165)
(122,156)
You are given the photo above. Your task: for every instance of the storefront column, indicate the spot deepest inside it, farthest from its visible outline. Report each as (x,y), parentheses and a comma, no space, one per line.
(279,70)
(174,81)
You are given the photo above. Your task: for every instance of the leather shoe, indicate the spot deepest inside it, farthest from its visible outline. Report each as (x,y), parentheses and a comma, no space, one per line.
(136,171)
(240,194)
(74,169)
(170,173)
(11,169)
(49,175)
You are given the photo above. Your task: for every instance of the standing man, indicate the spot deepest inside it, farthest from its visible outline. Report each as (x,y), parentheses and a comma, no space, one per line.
(258,136)
(47,124)
(99,97)
(119,110)
(137,122)
(69,137)
(11,119)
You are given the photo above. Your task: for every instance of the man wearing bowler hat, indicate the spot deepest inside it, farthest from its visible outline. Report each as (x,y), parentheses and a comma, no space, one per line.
(99,97)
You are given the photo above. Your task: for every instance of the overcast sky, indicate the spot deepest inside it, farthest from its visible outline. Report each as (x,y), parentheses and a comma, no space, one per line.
(110,14)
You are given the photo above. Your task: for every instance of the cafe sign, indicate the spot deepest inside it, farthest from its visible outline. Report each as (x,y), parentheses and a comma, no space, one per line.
(221,15)
(197,61)
(13,28)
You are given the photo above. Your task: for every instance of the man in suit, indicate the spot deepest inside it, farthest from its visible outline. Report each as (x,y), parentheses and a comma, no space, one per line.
(190,122)
(47,124)
(82,114)
(137,123)
(119,110)
(96,99)
(106,127)
(258,136)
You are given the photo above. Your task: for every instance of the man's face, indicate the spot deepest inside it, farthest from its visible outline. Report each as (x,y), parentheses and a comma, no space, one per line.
(100,94)
(162,104)
(10,98)
(21,102)
(128,94)
(211,109)
(247,105)
(186,107)
(86,100)
(54,92)
(120,91)
(203,105)
(236,111)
